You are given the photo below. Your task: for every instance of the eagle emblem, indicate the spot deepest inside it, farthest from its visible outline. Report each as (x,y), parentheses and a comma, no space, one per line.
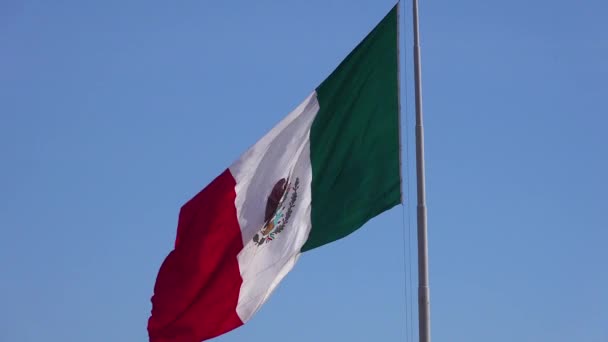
(278,210)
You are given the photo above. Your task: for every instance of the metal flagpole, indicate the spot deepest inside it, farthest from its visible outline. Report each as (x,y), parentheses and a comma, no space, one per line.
(424,307)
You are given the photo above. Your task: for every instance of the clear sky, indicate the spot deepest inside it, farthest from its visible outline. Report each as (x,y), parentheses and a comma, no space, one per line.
(114,113)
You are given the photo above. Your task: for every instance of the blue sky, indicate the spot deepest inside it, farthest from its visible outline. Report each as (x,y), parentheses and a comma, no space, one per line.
(114,113)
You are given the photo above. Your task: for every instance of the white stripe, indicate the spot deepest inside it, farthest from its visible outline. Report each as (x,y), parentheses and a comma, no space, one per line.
(284,152)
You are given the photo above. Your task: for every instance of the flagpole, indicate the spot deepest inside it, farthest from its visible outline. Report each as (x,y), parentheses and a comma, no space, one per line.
(424,307)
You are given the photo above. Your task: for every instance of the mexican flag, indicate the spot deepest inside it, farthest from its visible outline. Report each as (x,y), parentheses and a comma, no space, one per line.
(320,174)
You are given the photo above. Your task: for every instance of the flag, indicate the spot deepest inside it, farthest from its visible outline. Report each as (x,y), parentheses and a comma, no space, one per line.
(321,173)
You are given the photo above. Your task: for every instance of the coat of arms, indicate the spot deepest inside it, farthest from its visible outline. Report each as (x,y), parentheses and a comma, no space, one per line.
(278,210)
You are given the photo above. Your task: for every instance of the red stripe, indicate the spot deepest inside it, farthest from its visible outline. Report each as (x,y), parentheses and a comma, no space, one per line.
(198,284)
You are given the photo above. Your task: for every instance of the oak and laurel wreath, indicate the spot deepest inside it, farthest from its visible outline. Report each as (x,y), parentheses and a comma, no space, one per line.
(278,229)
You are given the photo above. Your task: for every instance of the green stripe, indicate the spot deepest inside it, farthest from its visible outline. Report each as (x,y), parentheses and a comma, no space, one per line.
(354,139)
